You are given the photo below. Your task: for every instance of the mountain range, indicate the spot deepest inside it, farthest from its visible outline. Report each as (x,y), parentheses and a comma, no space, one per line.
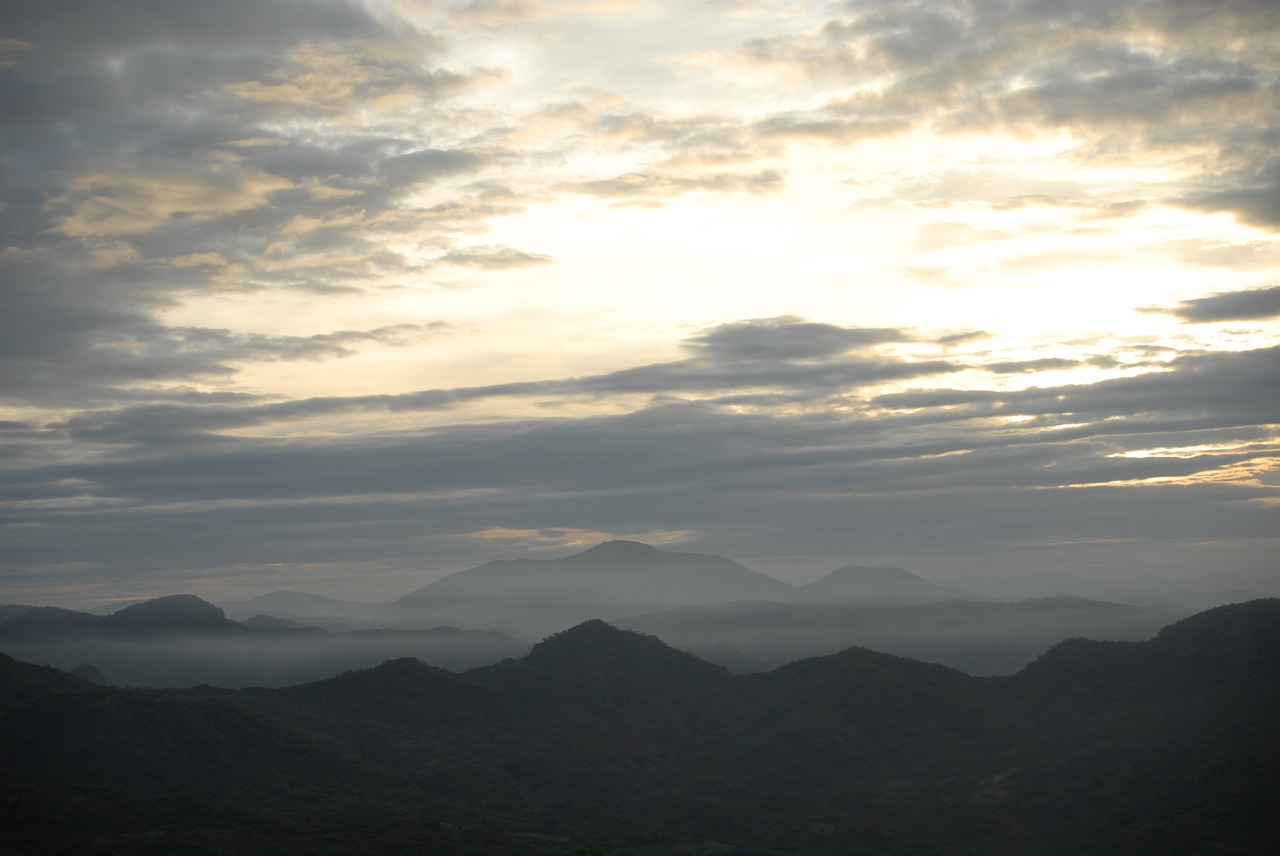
(624,579)
(613,742)
(709,605)
(534,597)
(980,638)
(181,641)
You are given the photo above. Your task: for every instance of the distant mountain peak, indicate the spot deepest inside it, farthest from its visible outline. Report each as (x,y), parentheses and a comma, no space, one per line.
(174,604)
(893,585)
(534,597)
(592,629)
(176,612)
(626,657)
(618,549)
(596,636)
(868,574)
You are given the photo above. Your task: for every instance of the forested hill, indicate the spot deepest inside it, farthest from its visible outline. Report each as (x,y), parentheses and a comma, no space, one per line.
(610,738)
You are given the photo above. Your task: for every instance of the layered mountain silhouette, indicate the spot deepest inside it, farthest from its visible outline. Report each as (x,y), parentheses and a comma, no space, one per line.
(706,604)
(619,578)
(181,641)
(611,739)
(179,614)
(981,638)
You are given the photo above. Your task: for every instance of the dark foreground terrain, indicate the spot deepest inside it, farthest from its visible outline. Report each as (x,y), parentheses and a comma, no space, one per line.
(610,740)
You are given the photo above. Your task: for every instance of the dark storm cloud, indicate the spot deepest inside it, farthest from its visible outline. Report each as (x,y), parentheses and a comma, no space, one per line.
(1249,305)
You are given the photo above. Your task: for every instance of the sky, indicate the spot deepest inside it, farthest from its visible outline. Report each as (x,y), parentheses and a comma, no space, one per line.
(342,297)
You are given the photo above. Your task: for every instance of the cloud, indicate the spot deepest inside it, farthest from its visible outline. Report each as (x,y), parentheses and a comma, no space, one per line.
(156,157)
(789,338)
(493,11)
(1252,304)
(928,472)
(426,165)
(1133,82)
(492,258)
(804,361)
(1031,366)
(127,200)
(1193,390)
(656,185)
(1252,194)
(80,335)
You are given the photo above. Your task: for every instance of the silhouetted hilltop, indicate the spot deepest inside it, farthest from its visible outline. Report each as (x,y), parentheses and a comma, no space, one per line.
(22,682)
(13,610)
(599,653)
(270,622)
(173,614)
(163,616)
(48,622)
(1210,648)
(400,696)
